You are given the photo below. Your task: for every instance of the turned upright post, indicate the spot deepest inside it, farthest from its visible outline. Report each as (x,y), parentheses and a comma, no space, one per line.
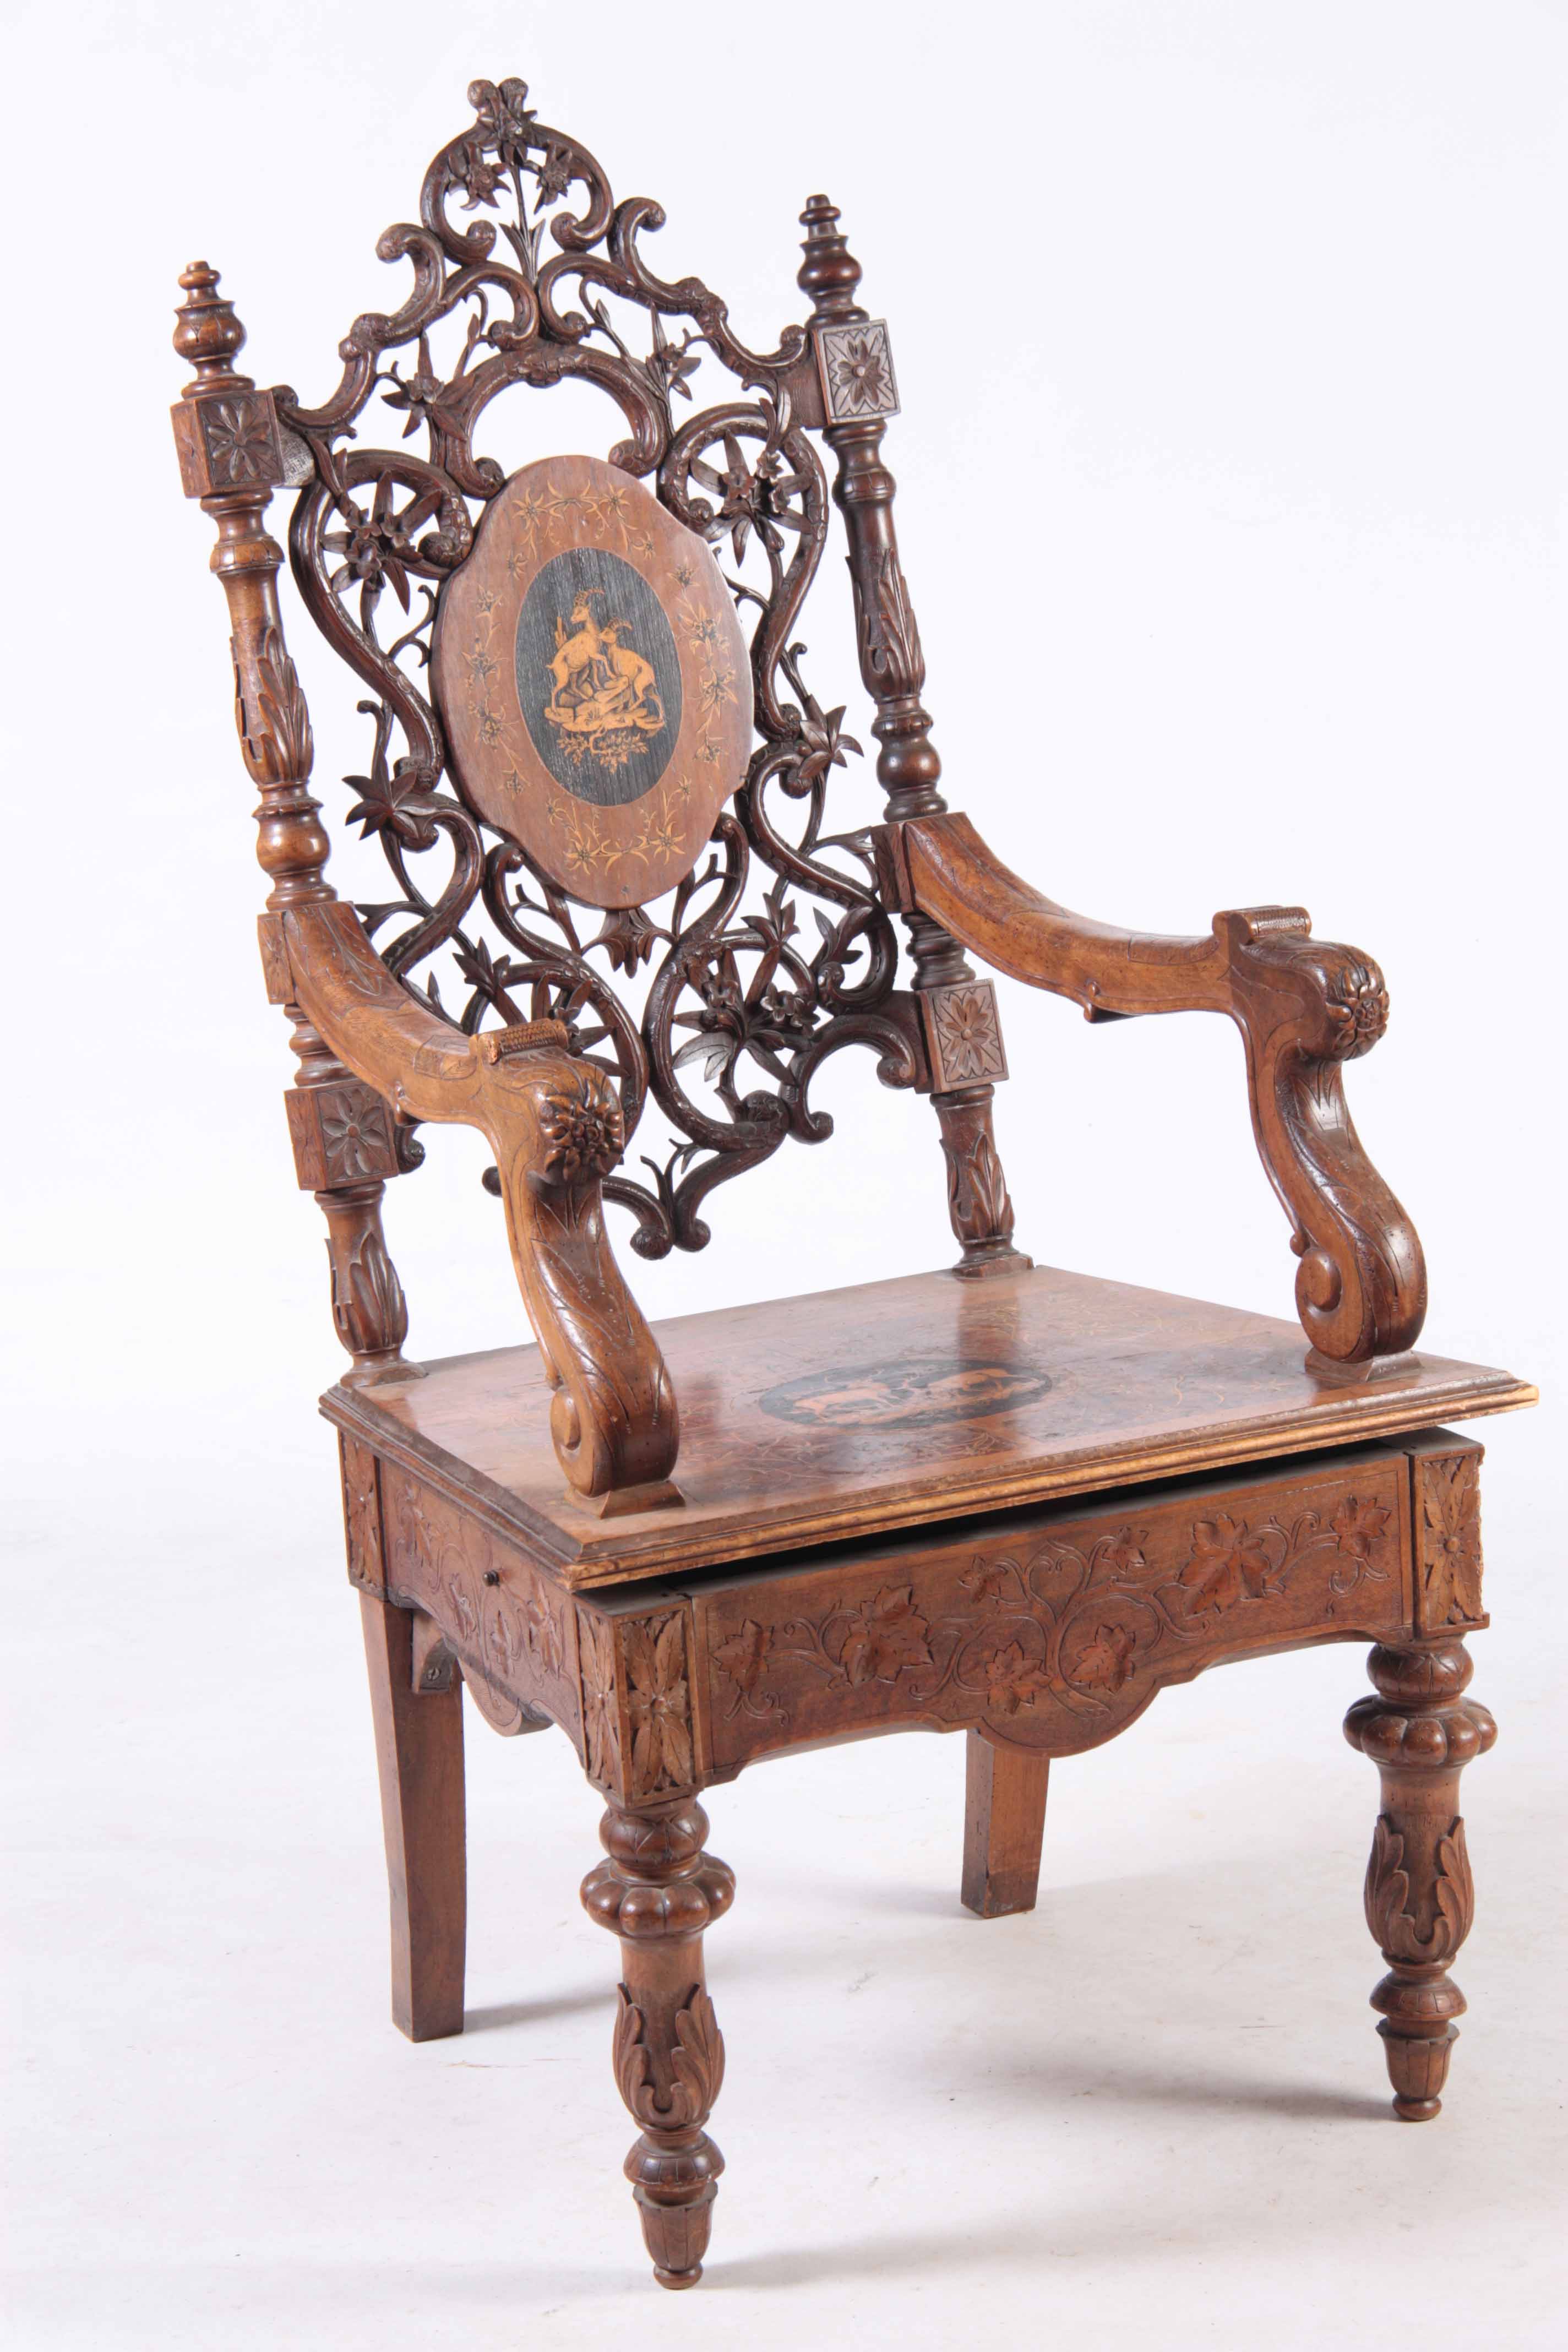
(959,1018)
(231,458)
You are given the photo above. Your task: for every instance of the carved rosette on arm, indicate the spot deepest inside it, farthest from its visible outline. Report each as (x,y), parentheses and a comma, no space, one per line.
(593,681)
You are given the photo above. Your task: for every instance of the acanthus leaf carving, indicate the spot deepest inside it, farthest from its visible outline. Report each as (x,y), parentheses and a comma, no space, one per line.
(1419,1913)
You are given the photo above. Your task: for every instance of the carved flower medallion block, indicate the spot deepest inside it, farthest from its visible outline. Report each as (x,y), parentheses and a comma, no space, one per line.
(963,1035)
(855,362)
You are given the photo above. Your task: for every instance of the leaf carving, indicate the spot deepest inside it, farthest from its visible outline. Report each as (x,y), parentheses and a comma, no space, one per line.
(1393,1914)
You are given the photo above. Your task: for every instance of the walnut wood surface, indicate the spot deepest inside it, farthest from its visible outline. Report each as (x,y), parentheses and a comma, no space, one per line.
(1420,1731)
(657,1890)
(1004,1826)
(419,1757)
(1049,1629)
(1303,1007)
(554,1125)
(1018,1508)
(805,1422)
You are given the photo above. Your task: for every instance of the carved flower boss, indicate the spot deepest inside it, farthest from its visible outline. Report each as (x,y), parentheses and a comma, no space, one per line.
(582,1132)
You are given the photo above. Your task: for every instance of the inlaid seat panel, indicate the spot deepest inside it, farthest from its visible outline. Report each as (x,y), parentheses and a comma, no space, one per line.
(900,1402)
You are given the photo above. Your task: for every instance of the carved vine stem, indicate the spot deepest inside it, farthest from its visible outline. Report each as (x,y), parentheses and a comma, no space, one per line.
(230,454)
(893,666)
(658,1892)
(1420,1731)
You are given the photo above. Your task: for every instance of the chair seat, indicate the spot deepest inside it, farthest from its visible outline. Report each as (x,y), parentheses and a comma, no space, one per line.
(892,1404)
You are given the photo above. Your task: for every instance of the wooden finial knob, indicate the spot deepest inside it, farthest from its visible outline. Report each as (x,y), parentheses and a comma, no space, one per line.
(206,332)
(829,273)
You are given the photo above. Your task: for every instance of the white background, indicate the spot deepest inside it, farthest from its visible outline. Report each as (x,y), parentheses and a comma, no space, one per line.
(1231,347)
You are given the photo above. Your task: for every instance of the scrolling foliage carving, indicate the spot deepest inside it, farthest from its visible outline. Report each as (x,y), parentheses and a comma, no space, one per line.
(743,993)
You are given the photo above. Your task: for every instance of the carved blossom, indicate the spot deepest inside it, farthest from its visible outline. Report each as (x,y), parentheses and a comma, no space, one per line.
(583,1131)
(659,1702)
(601,1726)
(1451,1540)
(239,440)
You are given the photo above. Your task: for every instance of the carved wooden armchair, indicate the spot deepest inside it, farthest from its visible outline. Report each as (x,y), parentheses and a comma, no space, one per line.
(997,1498)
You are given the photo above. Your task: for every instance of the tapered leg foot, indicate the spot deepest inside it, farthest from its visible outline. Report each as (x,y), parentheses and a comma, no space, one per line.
(419,1755)
(658,1892)
(1420,1732)
(1004,1827)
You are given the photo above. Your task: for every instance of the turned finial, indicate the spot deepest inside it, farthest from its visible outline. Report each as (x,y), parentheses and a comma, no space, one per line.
(207,331)
(829,273)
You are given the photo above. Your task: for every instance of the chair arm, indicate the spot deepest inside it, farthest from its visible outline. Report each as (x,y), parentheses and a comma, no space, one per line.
(1303,1007)
(554,1125)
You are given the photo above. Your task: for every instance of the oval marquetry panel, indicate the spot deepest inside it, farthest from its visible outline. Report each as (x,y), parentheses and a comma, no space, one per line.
(592,681)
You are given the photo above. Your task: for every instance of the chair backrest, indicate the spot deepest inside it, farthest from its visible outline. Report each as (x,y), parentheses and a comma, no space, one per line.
(623,853)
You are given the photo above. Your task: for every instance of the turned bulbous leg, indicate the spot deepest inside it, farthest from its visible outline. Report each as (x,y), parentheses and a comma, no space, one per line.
(658,1892)
(1420,1731)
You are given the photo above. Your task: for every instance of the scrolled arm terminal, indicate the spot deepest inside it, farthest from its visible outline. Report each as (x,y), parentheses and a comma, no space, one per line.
(1304,1008)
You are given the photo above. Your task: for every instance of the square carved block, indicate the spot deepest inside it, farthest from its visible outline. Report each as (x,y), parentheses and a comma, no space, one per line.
(227,441)
(362,1515)
(963,1035)
(1448,1510)
(855,362)
(342,1135)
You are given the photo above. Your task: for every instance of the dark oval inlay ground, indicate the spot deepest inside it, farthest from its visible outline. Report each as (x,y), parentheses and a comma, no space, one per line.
(912,1395)
(599,678)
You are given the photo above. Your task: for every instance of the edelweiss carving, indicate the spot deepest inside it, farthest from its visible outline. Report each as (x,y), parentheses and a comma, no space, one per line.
(582,1128)
(1060,1641)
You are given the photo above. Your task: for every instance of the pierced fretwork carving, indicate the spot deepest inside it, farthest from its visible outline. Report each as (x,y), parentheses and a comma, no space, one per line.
(718,1003)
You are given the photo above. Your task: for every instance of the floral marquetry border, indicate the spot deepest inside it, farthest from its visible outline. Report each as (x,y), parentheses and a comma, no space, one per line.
(612,855)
